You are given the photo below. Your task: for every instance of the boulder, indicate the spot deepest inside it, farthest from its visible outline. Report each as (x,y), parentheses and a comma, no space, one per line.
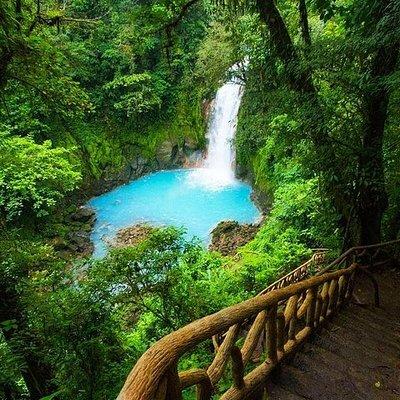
(79,242)
(132,235)
(228,236)
(83,215)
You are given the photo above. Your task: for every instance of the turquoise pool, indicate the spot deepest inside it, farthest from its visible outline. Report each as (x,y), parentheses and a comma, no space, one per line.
(176,198)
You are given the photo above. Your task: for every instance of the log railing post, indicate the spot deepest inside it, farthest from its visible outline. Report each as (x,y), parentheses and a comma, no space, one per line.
(174,391)
(237,368)
(318,309)
(342,289)
(253,336)
(292,328)
(311,308)
(162,390)
(217,367)
(215,343)
(272,334)
(333,295)
(280,344)
(325,299)
(200,378)
(204,390)
(291,316)
(350,285)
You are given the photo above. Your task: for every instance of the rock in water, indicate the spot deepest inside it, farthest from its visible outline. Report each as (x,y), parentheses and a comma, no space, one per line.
(83,215)
(132,235)
(227,236)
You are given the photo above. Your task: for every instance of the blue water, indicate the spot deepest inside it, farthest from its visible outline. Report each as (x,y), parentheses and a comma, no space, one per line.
(170,198)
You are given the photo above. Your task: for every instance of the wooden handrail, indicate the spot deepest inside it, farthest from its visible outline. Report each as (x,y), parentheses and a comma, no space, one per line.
(144,379)
(357,251)
(281,319)
(298,273)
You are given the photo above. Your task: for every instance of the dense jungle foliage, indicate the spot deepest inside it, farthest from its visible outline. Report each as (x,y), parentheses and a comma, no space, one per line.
(87,86)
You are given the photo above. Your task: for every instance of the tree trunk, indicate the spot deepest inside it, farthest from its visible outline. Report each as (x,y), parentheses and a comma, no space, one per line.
(373,197)
(299,77)
(394,225)
(37,375)
(37,378)
(5,59)
(18,15)
(305,30)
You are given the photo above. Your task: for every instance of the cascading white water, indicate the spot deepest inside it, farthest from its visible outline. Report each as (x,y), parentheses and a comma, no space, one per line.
(221,156)
(218,169)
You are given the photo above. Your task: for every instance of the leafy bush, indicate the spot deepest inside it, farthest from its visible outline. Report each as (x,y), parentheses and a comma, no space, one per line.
(93,321)
(33,177)
(136,94)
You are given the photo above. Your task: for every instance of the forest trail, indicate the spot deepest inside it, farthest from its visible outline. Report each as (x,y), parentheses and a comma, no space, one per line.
(355,356)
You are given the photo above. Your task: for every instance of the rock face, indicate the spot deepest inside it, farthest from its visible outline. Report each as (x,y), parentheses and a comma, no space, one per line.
(81,224)
(79,242)
(262,200)
(206,108)
(169,155)
(227,236)
(135,168)
(132,235)
(194,160)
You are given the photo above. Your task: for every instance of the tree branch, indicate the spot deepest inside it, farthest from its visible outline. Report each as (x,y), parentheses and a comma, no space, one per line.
(298,76)
(175,22)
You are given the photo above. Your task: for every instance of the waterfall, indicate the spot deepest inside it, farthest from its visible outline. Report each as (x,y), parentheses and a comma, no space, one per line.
(196,199)
(218,167)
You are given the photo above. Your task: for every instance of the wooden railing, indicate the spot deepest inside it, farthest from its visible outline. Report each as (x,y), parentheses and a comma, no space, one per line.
(278,322)
(294,276)
(299,273)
